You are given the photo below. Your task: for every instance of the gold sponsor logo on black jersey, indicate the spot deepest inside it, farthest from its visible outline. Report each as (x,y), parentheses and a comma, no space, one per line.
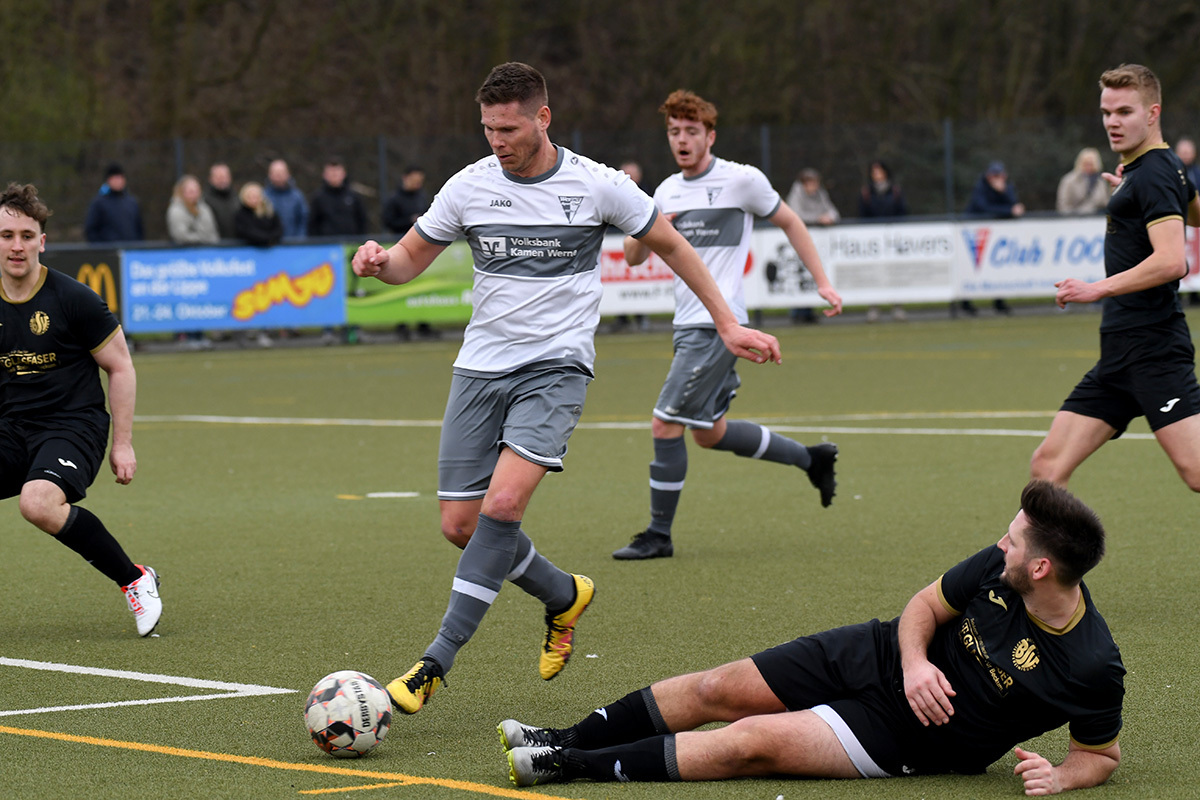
(973,642)
(22,362)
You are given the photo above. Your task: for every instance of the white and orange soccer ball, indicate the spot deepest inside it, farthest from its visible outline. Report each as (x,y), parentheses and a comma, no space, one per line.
(347,713)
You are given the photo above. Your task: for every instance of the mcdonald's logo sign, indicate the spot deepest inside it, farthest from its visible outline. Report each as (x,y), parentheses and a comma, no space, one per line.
(99,277)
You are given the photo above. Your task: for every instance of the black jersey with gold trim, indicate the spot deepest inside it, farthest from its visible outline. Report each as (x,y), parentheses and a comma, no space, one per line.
(1154,188)
(47,369)
(1016,677)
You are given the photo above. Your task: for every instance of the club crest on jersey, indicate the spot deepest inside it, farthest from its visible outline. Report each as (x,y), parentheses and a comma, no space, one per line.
(494,246)
(1025,655)
(39,323)
(713,194)
(570,205)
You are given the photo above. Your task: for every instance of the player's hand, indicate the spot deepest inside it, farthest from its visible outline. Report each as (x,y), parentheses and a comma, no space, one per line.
(370,259)
(1037,773)
(1073,290)
(1114,180)
(928,692)
(830,295)
(752,345)
(123,462)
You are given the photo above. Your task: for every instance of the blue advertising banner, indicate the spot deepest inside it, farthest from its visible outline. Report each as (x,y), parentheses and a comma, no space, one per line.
(218,288)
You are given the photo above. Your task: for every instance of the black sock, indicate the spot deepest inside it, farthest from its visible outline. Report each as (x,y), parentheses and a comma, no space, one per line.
(650,759)
(85,534)
(632,718)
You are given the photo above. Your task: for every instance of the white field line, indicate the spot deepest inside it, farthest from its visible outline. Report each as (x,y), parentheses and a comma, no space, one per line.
(228,689)
(784,425)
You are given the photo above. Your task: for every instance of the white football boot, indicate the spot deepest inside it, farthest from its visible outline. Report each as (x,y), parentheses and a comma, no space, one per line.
(143,599)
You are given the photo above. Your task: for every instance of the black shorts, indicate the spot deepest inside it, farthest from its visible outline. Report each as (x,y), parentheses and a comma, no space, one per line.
(855,670)
(67,457)
(1148,372)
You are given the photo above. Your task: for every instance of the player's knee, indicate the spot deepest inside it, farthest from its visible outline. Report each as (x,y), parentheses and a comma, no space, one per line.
(39,509)
(1043,466)
(715,688)
(457,529)
(705,437)
(1191,476)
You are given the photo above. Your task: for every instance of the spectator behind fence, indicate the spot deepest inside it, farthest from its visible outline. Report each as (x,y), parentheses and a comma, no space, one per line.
(995,197)
(258,224)
(256,221)
(114,214)
(810,201)
(287,200)
(336,209)
(190,220)
(409,202)
(882,197)
(1082,190)
(222,199)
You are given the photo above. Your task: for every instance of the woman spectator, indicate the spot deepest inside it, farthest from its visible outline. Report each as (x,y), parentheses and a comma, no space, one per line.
(189,219)
(256,221)
(1082,190)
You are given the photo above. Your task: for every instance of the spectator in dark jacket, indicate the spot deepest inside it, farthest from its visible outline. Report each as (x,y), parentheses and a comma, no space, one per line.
(256,221)
(222,199)
(336,209)
(994,197)
(881,197)
(409,202)
(114,214)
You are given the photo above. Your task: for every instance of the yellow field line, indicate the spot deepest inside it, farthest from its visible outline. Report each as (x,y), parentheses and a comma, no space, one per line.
(326,769)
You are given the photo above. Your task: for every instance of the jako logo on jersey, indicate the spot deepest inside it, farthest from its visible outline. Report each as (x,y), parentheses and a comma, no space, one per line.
(500,202)
(977,244)
(39,323)
(713,194)
(66,463)
(570,205)
(494,246)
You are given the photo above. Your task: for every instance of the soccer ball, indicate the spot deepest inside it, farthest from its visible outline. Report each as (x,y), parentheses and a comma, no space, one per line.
(347,713)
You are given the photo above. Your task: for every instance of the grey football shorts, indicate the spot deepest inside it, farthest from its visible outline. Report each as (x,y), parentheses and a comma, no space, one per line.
(702,381)
(532,413)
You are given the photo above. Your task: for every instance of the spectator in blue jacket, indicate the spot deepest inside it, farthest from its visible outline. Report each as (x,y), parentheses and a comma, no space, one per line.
(993,196)
(287,200)
(114,214)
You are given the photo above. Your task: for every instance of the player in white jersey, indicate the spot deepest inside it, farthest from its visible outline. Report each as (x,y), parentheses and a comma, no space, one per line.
(713,203)
(534,215)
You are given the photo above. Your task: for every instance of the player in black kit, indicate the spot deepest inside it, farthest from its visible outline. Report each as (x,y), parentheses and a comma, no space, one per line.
(54,333)
(1147,362)
(1001,648)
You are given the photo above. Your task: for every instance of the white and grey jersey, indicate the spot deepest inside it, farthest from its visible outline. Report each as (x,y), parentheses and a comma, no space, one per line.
(715,212)
(536,244)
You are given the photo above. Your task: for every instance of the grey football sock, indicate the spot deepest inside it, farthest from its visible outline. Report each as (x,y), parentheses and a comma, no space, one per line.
(667,473)
(534,574)
(751,440)
(484,562)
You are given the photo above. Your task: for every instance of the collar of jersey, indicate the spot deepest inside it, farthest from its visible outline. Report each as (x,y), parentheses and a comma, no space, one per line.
(1127,160)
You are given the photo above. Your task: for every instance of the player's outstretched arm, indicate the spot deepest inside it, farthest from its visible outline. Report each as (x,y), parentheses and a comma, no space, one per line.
(682,258)
(1079,770)
(801,241)
(115,360)
(925,686)
(398,264)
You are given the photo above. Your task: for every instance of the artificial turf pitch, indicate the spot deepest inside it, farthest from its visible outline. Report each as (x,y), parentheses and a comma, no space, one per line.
(254,501)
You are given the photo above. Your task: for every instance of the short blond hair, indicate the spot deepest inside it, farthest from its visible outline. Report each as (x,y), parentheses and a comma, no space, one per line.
(1134,76)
